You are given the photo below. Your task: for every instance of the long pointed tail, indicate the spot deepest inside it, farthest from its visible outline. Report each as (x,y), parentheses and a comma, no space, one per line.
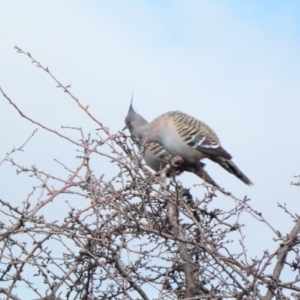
(230,167)
(205,177)
(198,169)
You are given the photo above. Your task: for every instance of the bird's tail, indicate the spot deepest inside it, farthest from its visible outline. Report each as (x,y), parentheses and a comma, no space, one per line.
(230,167)
(198,169)
(205,177)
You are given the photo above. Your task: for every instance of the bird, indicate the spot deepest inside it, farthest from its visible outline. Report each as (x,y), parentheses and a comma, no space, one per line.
(154,154)
(180,134)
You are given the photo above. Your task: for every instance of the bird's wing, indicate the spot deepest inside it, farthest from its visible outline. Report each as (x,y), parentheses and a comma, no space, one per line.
(198,135)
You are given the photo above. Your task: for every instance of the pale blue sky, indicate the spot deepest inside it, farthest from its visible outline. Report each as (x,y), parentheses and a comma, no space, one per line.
(232,64)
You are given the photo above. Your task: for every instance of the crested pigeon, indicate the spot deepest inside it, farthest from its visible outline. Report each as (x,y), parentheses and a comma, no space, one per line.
(155,156)
(181,134)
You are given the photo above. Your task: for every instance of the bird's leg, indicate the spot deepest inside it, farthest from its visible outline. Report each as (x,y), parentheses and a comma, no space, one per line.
(176,162)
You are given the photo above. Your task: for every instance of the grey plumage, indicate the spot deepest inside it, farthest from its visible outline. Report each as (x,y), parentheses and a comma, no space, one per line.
(181,134)
(155,156)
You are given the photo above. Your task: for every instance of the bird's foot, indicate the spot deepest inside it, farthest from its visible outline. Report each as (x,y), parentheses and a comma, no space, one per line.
(176,162)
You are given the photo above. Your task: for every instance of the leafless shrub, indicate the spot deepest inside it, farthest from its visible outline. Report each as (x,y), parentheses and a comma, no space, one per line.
(134,236)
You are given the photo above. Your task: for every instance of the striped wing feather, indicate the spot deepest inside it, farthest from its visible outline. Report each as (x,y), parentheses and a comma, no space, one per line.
(198,135)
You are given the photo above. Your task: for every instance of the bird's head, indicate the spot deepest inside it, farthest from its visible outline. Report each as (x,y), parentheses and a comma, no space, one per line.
(135,123)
